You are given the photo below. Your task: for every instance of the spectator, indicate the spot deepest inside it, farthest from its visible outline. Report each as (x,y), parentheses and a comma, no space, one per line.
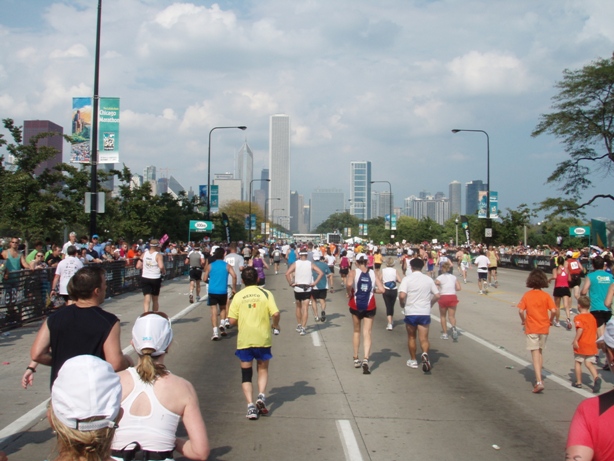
(55,257)
(38,247)
(64,271)
(72,240)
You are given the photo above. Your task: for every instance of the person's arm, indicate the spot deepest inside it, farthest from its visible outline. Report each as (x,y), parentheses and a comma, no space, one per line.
(457,285)
(160,261)
(349,282)
(380,285)
(289,273)
(586,286)
(24,264)
(233,275)
(206,273)
(197,445)
(113,352)
(275,318)
(55,284)
(579,453)
(609,297)
(330,282)
(40,351)
(574,343)
(28,376)
(522,315)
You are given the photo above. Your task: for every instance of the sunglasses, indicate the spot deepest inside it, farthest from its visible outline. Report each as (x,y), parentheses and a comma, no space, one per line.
(39,256)
(14,241)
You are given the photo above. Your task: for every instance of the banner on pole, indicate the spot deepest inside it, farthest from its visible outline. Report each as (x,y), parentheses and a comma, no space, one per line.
(81,130)
(108,129)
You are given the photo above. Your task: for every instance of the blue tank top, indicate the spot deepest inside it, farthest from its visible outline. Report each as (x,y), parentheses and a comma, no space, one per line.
(218,277)
(291,256)
(600,283)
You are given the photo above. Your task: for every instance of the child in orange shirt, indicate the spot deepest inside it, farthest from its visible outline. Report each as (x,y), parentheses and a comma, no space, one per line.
(535,309)
(585,344)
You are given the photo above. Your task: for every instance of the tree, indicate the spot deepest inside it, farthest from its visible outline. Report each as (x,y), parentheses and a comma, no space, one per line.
(583,118)
(338,222)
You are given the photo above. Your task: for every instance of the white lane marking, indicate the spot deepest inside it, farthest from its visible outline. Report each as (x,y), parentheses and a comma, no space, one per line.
(350,445)
(27,420)
(315,338)
(551,376)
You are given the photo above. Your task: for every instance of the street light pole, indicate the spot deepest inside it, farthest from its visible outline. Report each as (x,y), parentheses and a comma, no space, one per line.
(456,223)
(94,145)
(273,215)
(209,165)
(390,189)
(250,205)
(456,130)
(265,209)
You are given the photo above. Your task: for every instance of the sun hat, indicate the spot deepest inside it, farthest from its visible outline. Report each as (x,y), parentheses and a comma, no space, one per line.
(390,261)
(152,331)
(86,387)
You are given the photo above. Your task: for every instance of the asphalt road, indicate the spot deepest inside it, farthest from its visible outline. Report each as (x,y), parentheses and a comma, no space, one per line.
(476,403)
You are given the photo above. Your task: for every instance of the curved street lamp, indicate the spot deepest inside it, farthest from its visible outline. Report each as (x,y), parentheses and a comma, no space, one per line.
(209,165)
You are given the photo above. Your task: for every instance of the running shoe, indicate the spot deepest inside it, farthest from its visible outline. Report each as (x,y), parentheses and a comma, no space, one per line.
(597,385)
(356,362)
(215,336)
(412,363)
(252,412)
(323,317)
(365,367)
(426,365)
(569,326)
(222,329)
(298,327)
(316,318)
(191,298)
(539,386)
(261,405)
(556,323)
(497,284)
(454,334)
(302,332)
(275,331)
(198,299)
(227,324)
(389,327)
(480,292)
(444,336)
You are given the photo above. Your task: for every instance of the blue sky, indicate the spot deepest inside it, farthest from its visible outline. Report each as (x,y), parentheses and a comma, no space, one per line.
(361,80)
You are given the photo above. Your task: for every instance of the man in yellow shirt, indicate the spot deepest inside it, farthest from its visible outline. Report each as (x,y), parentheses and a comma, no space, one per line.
(252,309)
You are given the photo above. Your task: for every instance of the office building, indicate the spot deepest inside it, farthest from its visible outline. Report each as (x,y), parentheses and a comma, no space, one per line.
(455,194)
(437,209)
(162,186)
(325,202)
(245,170)
(136,181)
(472,197)
(297,223)
(381,204)
(228,188)
(174,188)
(149,173)
(32,128)
(360,190)
(279,163)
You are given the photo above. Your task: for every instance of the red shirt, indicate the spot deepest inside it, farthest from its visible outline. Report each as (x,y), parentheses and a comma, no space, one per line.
(591,426)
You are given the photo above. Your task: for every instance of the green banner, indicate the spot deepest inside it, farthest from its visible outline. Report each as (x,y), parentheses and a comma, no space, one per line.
(201,226)
(108,130)
(215,199)
(599,233)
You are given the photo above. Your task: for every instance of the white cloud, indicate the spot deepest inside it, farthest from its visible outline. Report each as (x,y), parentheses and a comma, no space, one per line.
(75,51)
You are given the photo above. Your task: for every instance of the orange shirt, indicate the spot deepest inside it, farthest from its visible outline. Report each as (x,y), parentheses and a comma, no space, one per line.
(587,344)
(537,305)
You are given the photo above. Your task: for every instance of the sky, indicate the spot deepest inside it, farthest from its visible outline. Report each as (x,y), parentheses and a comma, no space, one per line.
(384,81)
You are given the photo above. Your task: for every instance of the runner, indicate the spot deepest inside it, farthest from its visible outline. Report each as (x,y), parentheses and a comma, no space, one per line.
(320,290)
(252,310)
(561,292)
(448,285)
(465,263)
(344,268)
(238,263)
(276,254)
(258,263)
(390,279)
(217,272)
(596,286)
(493,261)
(302,282)
(482,262)
(152,264)
(196,261)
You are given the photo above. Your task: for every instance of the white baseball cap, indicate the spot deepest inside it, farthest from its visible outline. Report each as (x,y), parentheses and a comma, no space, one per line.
(152,331)
(86,387)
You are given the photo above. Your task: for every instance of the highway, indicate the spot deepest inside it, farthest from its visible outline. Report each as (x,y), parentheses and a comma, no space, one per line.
(476,403)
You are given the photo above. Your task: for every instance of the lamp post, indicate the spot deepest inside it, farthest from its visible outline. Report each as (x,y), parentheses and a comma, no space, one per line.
(488,223)
(273,216)
(390,191)
(456,223)
(250,205)
(94,145)
(209,165)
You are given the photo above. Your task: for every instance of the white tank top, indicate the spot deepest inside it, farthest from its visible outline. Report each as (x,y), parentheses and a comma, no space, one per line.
(154,432)
(150,265)
(302,275)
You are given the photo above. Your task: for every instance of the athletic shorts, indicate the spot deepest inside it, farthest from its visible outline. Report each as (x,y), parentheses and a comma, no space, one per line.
(602,317)
(214,300)
(430,267)
(584,358)
(561,292)
(575,281)
(319,294)
(344,271)
(254,353)
(151,286)
(535,342)
(363,314)
(302,295)
(482,275)
(261,282)
(196,274)
(446,301)
(492,268)
(332,269)
(416,320)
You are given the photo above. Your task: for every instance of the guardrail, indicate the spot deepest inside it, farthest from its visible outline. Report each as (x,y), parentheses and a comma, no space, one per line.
(24,296)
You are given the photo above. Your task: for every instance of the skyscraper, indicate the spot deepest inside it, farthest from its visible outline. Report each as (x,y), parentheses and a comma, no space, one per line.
(360,189)
(33,127)
(149,173)
(472,200)
(381,201)
(245,170)
(279,163)
(455,195)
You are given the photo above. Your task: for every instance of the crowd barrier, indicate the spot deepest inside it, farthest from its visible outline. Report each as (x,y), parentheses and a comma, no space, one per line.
(25,295)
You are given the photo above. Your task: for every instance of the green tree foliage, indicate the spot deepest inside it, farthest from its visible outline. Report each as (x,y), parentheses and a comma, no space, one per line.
(338,222)
(583,118)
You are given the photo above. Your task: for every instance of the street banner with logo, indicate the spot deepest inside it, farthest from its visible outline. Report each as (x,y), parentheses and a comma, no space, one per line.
(226,223)
(108,130)
(598,230)
(81,130)
(215,199)
(465,226)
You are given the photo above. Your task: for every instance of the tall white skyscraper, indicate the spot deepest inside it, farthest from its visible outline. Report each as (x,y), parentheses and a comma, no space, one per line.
(245,170)
(360,190)
(455,194)
(279,165)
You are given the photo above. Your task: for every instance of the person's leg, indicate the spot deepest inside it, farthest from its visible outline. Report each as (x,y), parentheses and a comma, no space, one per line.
(192,282)
(578,371)
(557,315)
(411,340)
(155,303)
(356,335)
(423,336)
(304,312)
(214,316)
(322,304)
(314,306)
(197,286)
(442,317)
(146,303)
(298,311)
(536,356)
(590,366)
(567,307)
(263,375)
(223,315)
(452,316)
(367,326)
(246,386)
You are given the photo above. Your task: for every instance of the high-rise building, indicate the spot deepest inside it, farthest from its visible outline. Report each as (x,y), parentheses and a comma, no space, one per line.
(245,170)
(229,189)
(437,209)
(455,194)
(296,212)
(136,181)
(325,202)
(360,190)
(382,203)
(149,173)
(279,164)
(162,186)
(33,127)
(472,197)
(174,188)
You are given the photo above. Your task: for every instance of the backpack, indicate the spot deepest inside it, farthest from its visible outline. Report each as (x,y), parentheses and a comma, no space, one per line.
(575,268)
(343,264)
(364,291)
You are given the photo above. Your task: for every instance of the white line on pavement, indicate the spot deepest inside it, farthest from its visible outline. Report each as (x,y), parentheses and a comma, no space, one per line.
(315,338)
(350,445)
(522,362)
(26,421)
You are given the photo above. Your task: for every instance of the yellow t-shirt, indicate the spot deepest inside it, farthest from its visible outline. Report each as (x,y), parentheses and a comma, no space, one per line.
(253,308)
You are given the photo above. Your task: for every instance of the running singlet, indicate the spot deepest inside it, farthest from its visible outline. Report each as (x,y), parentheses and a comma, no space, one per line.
(363,299)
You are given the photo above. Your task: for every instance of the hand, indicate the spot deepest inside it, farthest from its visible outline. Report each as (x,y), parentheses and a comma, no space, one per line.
(26,380)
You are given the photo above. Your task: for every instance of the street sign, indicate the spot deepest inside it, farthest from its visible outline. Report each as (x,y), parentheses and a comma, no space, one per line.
(201,226)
